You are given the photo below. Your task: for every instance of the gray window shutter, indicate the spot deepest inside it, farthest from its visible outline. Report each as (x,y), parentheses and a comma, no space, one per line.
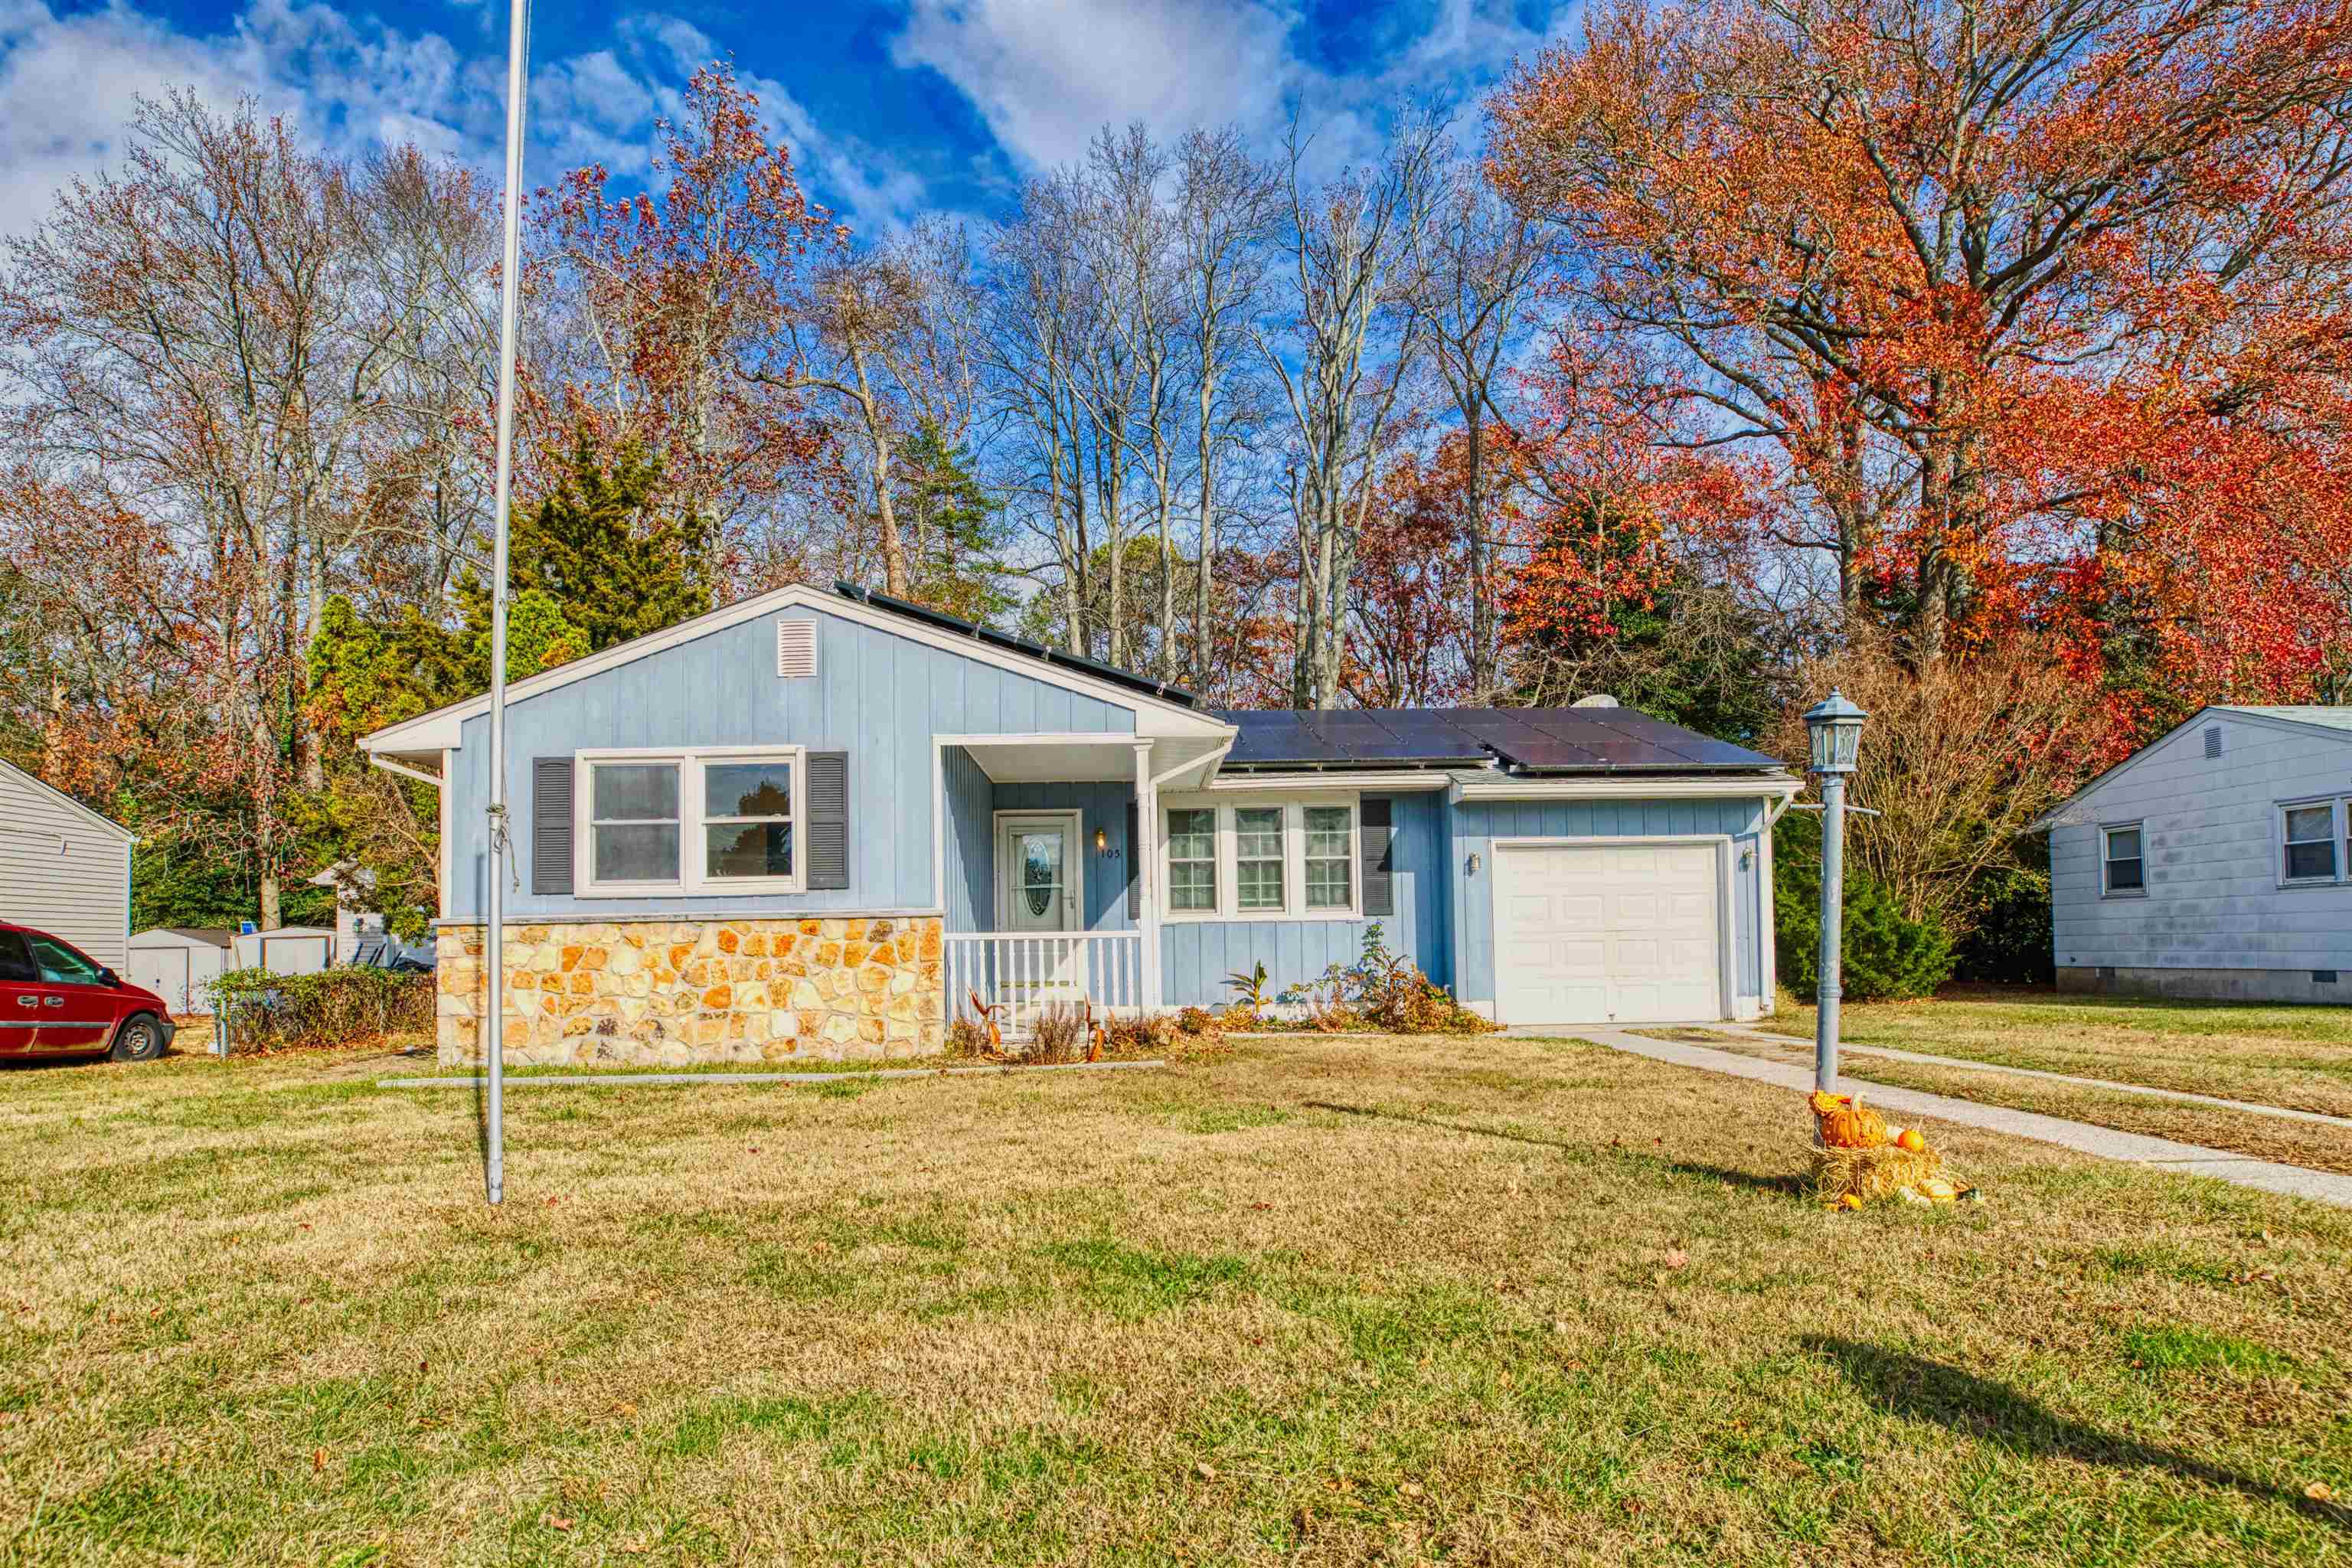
(1372,846)
(828,823)
(1134,866)
(551,825)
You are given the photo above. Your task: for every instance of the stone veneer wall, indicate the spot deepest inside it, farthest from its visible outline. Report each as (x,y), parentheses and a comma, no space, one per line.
(662,993)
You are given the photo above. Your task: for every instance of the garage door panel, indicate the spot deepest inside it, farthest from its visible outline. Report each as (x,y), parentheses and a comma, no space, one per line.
(1595,933)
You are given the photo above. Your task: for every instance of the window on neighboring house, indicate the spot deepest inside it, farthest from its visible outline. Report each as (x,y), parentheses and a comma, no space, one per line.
(2125,869)
(1330,858)
(633,822)
(1192,858)
(747,820)
(2308,834)
(1257,856)
(690,822)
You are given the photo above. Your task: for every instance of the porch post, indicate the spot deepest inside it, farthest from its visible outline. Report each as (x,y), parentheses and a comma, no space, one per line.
(1146,869)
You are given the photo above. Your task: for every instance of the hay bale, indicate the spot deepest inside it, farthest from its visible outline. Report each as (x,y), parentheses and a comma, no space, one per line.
(1871,1175)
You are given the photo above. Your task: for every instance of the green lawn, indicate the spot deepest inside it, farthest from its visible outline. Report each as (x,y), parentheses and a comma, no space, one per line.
(1322,1302)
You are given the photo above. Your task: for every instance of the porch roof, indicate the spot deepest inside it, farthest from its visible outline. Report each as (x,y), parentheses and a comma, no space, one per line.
(1173,762)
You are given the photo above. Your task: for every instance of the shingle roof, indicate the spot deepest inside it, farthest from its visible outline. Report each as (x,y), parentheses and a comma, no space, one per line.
(2334,717)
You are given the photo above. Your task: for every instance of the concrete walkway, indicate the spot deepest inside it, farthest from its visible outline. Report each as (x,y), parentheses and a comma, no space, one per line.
(1894,1053)
(2268,1176)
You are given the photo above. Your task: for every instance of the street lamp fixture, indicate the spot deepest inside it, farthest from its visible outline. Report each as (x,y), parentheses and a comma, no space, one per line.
(1834,735)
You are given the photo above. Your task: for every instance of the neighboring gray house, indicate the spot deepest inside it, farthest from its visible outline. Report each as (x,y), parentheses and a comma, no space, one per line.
(64,869)
(2213,863)
(826,823)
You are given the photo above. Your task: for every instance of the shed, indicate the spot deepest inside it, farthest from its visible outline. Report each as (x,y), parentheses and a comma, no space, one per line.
(64,869)
(288,950)
(175,963)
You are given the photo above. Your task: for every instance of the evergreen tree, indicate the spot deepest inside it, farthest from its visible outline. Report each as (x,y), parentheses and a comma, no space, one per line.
(954,530)
(609,566)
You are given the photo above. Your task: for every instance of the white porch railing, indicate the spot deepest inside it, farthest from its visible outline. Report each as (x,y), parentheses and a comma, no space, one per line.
(1026,971)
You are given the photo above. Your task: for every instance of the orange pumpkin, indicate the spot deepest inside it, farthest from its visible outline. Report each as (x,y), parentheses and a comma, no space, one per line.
(1910,1142)
(1845,1124)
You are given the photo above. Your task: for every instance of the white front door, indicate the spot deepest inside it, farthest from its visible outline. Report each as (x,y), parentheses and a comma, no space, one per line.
(1595,933)
(1037,874)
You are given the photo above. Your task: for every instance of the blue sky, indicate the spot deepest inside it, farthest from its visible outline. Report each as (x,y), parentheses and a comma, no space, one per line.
(891,110)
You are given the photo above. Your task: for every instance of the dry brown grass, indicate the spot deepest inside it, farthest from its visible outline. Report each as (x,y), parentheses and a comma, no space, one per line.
(2300,1057)
(1317,1301)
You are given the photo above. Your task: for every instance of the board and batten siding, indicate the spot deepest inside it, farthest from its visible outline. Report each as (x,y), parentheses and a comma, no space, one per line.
(2211,846)
(1197,955)
(878,695)
(1477,824)
(61,871)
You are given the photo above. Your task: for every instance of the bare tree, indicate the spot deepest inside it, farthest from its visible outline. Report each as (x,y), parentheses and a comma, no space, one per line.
(1479,264)
(1349,248)
(1226,206)
(892,338)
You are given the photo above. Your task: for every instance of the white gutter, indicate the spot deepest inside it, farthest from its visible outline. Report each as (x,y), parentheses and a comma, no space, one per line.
(1625,786)
(379,758)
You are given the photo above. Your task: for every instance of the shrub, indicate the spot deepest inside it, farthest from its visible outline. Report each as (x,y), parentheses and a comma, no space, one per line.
(1887,956)
(1059,1036)
(967,1038)
(2009,942)
(354,1006)
(1196,1020)
(1383,990)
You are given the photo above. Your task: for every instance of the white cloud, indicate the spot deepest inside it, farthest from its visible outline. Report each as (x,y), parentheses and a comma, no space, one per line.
(1047,77)
(70,82)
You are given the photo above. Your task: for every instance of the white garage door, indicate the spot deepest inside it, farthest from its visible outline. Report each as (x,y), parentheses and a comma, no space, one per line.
(1598,933)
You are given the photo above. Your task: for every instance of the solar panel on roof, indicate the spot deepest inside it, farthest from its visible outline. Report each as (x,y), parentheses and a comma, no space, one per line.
(1537,739)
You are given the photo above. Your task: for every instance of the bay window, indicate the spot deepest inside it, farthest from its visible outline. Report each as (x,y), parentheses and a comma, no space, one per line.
(719,820)
(1257,859)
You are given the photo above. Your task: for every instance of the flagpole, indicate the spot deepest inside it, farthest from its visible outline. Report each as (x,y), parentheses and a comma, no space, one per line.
(494,946)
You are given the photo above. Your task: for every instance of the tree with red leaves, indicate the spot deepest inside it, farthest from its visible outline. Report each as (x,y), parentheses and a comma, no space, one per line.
(671,313)
(2025,303)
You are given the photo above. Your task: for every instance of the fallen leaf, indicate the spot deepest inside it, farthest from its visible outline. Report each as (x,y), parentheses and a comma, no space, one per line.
(2320,1491)
(317,1460)
(557,1521)
(1677,1259)
(1409,1489)
(1204,1472)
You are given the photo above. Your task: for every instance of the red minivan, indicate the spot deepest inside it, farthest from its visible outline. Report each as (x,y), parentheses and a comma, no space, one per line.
(58,1001)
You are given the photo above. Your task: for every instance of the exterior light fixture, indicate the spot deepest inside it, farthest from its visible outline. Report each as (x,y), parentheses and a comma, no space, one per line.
(1834,735)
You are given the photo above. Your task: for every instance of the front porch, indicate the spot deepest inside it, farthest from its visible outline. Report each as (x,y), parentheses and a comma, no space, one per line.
(1047,862)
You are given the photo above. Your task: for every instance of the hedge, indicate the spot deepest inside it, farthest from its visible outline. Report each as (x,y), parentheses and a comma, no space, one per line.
(358,1006)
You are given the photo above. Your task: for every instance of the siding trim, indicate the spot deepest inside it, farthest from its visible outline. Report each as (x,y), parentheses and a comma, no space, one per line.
(442,726)
(106,824)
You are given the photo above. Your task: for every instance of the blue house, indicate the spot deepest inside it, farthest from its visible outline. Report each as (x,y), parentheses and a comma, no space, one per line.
(822,824)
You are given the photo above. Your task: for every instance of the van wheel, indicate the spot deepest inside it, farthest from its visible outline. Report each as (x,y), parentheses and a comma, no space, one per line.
(141,1039)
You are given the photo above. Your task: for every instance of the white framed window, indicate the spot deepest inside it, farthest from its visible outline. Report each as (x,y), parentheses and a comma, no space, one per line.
(1329,856)
(718,819)
(1192,859)
(2122,861)
(1255,858)
(1258,858)
(2310,848)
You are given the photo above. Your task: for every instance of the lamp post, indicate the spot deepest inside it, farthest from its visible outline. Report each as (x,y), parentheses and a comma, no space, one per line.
(1833,733)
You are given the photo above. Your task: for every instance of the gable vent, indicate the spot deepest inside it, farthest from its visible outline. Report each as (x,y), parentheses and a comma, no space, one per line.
(795,650)
(2212,740)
